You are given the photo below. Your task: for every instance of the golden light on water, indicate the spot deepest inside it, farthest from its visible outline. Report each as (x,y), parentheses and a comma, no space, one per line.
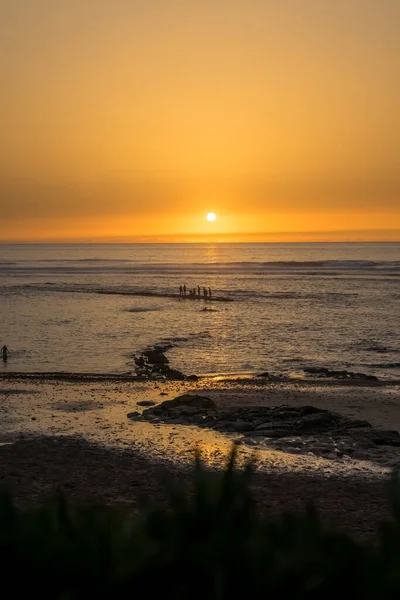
(211,217)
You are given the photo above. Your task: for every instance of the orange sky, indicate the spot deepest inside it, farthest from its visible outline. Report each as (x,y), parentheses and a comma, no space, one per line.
(129,118)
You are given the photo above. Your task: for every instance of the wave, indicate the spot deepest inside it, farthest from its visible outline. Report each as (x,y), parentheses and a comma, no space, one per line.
(95,265)
(223,295)
(226,295)
(253,294)
(115,291)
(351,264)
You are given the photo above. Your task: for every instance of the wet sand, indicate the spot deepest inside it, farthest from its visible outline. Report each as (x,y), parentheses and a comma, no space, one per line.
(75,435)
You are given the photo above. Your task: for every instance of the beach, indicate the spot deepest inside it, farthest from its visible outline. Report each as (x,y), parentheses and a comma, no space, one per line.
(200,281)
(73,434)
(113,379)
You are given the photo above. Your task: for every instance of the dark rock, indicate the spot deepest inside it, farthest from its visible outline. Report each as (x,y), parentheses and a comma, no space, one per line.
(331,374)
(386,438)
(273,433)
(187,411)
(304,429)
(132,415)
(237,426)
(316,370)
(228,414)
(252,440)
(155,357)
(173,374)
(192,378)
(194,408)
(311,424)
(273,378)
(146,403)
(242,426)
(308,410)
(149,417)
(349,451)
(139,361)
(163,347)
(200,402)
(356,424)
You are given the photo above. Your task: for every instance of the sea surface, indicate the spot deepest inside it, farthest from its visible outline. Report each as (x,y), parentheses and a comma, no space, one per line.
(73,308)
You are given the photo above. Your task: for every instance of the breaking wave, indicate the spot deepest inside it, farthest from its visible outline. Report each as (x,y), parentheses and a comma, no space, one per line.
(94,265)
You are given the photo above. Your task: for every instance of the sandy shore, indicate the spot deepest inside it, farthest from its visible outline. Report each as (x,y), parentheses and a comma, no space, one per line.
(75,435)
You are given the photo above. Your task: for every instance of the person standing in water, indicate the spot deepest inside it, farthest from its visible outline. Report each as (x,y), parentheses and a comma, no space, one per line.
(209,293)
(198,291)
(184,290)
(180,290)
(4,352)
(205,293)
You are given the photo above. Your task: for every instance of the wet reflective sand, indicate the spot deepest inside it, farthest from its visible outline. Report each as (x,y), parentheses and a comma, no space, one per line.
(75,437)
(97,412)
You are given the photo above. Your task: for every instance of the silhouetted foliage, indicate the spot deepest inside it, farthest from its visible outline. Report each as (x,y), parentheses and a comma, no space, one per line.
(208,543)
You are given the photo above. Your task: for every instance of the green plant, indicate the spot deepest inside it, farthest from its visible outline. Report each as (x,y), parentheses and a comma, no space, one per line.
(208,542)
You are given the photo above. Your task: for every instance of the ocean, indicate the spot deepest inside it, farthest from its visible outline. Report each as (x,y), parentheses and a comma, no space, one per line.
(73,308)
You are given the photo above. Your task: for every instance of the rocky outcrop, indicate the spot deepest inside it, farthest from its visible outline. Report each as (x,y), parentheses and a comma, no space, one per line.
(173,374)
(331,374)
(301,429)
(153,363)
(272,377)
(183,406)
(155,357)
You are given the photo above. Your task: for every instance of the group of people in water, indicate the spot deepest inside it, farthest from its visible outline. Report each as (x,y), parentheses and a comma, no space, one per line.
(4,352)
(195,292)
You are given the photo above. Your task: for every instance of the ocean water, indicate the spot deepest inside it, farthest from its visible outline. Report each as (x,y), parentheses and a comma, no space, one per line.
(73,308)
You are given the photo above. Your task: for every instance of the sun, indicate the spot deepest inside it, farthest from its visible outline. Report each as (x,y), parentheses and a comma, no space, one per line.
(211,217)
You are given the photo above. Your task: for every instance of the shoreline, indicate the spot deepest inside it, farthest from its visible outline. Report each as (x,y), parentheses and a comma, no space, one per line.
(256,380)
(152,364)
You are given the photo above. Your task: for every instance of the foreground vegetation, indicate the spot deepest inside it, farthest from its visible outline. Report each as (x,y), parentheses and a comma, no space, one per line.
(209,543)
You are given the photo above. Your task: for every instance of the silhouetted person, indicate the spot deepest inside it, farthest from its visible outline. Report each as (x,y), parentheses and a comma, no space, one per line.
(184,290)
(198,291)
(180,290)
(4,352)
(205,293)
(209,293)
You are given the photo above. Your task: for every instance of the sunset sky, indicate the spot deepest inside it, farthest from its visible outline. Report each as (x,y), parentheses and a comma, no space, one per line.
(121,119)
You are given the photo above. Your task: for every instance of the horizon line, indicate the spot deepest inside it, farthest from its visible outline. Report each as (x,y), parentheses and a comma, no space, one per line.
(336,236)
